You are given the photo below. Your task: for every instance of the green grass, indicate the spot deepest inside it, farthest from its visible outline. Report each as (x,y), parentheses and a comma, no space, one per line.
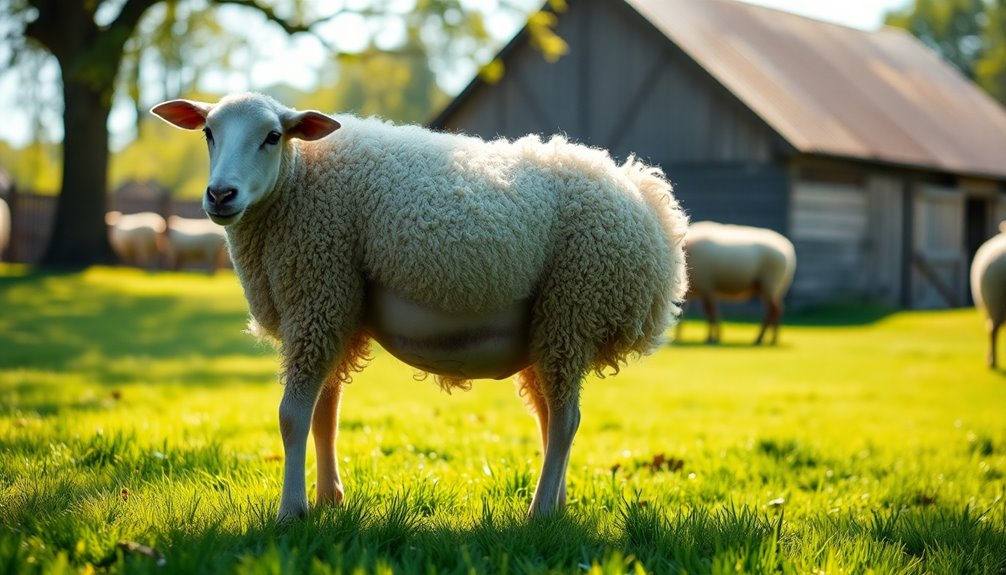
(134,409)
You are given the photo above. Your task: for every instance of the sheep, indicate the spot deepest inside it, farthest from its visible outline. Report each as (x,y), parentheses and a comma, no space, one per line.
(464,258)
(5,226)
(195,240)
(137,239)
(988,286)
(738,262)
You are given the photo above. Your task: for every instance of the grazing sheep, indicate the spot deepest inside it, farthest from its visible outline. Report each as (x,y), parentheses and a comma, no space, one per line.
(137,239)
(5,226)
(988,286)
(464,258)
(737,263)
(196,240)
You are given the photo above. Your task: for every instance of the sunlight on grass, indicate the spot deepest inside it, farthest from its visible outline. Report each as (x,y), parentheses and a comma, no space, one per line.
(134,408)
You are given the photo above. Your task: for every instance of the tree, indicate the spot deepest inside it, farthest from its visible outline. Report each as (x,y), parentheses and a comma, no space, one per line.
(89,48)
(970,34)
(90,39)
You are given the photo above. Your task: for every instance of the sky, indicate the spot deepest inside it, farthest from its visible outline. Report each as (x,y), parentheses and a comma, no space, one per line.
(297,61)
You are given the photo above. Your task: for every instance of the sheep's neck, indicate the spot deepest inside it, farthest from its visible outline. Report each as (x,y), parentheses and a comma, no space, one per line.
(461,345)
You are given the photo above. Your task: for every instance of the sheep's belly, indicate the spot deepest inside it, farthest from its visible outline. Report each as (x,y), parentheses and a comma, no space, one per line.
(462,345)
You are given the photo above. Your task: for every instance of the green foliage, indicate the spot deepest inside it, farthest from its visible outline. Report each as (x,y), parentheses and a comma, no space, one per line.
(36,167)
(970,34)
(138,429)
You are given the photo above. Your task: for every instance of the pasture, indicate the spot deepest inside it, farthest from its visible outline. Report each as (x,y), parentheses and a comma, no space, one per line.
(139,434)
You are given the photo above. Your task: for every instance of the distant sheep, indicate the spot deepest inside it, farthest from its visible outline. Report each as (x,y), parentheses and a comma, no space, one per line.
(734,262)
(988,286)
(195,240)
(137,239)
(462,257)
(5,227)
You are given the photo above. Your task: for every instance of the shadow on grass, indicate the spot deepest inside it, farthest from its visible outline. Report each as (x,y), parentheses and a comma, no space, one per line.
(51,321)
(834,315)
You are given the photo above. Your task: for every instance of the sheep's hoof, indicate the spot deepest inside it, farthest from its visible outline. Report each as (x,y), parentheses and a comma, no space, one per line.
(288,516)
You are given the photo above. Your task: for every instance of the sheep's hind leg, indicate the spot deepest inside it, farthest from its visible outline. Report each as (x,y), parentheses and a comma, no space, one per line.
(773,311)
(563,421)
(325,428)
(295,413)
(530,389)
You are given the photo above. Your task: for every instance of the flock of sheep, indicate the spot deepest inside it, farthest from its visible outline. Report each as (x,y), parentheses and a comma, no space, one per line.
(147,240)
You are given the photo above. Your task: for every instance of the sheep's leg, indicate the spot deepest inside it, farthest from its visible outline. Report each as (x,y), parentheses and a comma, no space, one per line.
(993,335)
(325,428)
(713,317)
(530,387)
(773,311)
(295,413)
(563,421)
(776,319)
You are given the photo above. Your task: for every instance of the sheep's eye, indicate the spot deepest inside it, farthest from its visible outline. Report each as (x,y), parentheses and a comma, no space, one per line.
(209,134)
(273,138)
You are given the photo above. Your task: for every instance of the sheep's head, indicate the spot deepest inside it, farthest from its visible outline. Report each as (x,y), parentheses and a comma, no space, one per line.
(245,134)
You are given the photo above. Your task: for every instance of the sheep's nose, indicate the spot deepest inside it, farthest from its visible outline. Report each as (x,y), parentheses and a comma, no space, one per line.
(220,196)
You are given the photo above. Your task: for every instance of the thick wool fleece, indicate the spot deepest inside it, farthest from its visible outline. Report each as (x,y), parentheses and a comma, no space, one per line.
(462,225)
(731,261)
(988,278)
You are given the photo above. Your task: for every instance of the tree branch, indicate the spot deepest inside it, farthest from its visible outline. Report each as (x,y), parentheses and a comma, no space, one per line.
(292,28)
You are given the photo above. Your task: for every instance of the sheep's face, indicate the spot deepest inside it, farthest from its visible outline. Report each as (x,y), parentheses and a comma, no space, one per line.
(245,135)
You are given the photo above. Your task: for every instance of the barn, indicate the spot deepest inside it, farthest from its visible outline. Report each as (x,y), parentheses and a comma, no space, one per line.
(884,165)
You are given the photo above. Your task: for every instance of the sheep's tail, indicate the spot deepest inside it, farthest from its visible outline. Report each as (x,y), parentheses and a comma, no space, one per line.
(658,193)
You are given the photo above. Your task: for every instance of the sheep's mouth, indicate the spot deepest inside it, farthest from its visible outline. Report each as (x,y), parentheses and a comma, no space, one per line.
(224,218)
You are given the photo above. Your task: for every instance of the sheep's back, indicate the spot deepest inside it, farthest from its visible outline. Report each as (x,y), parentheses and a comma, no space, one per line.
(453,221)
(730,259)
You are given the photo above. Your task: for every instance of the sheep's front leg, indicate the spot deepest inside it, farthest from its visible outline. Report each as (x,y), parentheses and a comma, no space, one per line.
(325,428)
(295,414)
(562,423)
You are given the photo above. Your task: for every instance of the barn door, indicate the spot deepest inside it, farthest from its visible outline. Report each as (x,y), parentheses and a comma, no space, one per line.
(939,268)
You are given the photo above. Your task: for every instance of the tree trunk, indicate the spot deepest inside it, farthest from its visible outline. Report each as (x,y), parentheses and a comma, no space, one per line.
(79,237)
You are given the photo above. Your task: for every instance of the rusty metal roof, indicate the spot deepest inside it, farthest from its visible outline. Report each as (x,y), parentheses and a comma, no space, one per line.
(832,90)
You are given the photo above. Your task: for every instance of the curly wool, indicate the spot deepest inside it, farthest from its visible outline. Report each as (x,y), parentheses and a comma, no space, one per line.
(462,224)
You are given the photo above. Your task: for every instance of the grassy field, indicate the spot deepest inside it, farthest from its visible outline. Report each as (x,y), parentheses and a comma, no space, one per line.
(138,434)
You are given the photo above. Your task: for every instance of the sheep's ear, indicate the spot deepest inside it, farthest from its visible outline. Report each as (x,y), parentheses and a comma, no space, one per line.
(183,113)
(309,125)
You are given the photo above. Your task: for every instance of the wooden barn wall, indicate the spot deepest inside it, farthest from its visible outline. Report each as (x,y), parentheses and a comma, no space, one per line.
(829,229)
(737,194)
(622,86)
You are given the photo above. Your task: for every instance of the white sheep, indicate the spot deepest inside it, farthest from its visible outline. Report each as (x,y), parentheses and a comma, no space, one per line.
(195,240)
(461,257)
(735,262)
(137,239)
(5,226)
(988,286)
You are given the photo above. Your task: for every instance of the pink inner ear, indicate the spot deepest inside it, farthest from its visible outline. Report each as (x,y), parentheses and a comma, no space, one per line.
(312,125)
(181,113)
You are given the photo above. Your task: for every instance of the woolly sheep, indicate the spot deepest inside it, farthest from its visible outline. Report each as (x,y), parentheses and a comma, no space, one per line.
(737,263)
(196,240)
(988,286)
(137,239)
(464,258)
(5,226)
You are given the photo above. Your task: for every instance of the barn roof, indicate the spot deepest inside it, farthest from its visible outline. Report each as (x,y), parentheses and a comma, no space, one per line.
(831,90)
